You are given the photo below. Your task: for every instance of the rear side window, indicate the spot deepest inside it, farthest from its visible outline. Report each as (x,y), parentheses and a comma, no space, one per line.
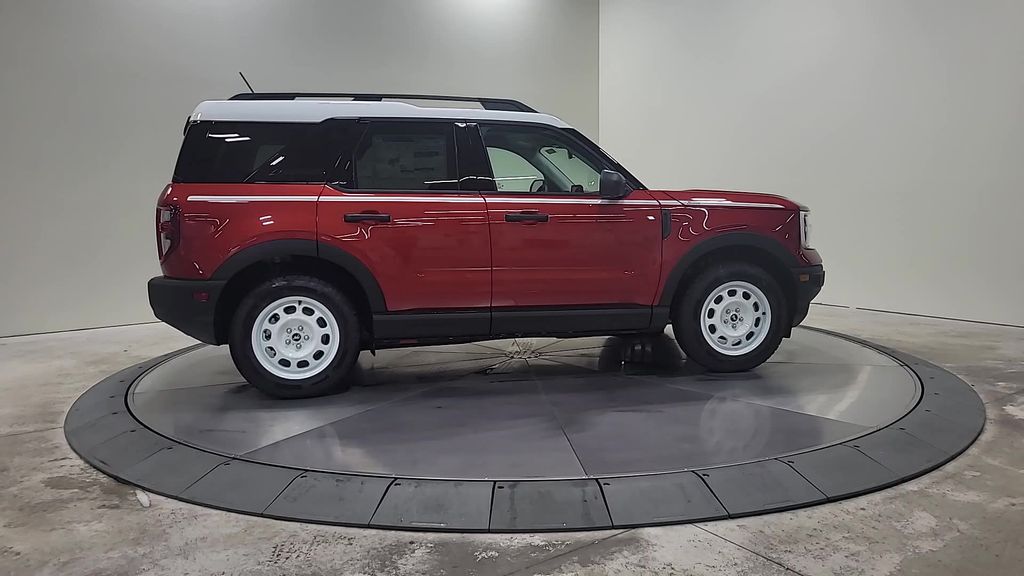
(309,157)
(236,152)
(407,156)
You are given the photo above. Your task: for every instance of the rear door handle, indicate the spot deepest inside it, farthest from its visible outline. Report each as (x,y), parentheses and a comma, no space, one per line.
(526,217)
(367,217)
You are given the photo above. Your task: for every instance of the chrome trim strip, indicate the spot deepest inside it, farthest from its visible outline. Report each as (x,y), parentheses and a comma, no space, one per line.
(713,202)
(231,199)
(725,203)
(594,201)
(385,198)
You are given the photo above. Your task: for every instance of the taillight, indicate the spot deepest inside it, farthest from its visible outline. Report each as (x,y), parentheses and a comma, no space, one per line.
(166,230)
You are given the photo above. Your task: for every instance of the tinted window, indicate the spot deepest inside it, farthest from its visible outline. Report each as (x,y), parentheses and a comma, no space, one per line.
(310,157)
(407,156)
(541,160)
(233,151)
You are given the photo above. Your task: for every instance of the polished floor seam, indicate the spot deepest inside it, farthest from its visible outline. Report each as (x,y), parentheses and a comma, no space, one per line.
(926,440)
(554,414)
(133,391)
(197,480)
(869,457)
(381,500)
(791,411)
(566,553)
(563,352)
(498,350)
(332,422)
(552,343)
(283,490)
(755,553)
(550,359)
(800,474)
(894,363)
(24,432)
(454,352)
(704,481)
(441,362)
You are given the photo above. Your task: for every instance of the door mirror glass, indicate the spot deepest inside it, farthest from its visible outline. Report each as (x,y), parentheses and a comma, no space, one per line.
(613,185)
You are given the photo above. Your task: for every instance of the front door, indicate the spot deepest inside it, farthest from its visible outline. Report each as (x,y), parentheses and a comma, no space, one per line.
(394,203)
(564,259)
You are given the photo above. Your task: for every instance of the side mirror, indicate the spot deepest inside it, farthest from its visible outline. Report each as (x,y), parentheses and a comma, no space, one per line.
(613,185)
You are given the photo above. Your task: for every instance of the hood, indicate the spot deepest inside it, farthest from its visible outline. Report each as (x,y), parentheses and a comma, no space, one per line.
(728,198)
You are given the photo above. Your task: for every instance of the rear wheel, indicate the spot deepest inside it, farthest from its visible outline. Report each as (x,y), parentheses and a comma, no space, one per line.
(730,318)
(295,337)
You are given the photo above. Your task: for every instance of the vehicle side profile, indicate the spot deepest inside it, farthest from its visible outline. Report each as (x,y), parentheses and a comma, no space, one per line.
(301,229)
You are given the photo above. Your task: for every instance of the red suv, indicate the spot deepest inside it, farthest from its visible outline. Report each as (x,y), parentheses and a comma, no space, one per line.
(301,229)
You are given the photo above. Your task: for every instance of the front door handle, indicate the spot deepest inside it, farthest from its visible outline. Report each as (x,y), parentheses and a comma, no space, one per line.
(526,217)
(368,217)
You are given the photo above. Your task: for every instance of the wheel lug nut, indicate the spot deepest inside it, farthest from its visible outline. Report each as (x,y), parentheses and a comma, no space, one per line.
(306,337)
(288,331)
(300,328)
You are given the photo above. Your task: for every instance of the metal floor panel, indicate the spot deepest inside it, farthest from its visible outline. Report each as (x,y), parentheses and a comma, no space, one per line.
(531,434)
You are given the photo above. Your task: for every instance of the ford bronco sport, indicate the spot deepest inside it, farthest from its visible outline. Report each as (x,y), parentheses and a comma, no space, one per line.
(300,229)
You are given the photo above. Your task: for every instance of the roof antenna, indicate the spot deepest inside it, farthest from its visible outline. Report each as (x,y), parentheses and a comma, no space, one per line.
(247,85)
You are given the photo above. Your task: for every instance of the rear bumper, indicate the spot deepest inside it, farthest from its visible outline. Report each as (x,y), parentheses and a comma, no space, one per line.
(808,281)
(188,305)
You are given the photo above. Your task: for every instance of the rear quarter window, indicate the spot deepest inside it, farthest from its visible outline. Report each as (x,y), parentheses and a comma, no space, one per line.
(236,152)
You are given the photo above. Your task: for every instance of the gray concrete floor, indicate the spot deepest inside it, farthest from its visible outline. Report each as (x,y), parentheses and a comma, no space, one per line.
(59,516)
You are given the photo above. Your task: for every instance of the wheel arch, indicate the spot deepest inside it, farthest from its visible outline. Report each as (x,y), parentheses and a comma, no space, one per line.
(737,246)
(277,257)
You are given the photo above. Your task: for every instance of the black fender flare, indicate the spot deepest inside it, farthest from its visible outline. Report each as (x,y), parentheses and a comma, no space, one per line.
(277,250)
(727,240)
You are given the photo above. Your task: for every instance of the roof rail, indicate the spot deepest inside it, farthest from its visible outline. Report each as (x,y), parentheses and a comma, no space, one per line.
(506,104)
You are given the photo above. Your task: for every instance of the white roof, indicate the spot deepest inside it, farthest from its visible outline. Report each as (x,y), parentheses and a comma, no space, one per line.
(319,110)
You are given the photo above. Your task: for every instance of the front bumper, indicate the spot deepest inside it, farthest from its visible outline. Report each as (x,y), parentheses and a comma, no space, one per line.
(808,281)
(188,305)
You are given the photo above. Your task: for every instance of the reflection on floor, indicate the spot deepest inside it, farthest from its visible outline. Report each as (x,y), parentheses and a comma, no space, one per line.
(536,408)
(60,516)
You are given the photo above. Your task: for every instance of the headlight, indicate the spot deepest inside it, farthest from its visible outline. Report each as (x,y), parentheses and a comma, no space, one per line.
(805,229)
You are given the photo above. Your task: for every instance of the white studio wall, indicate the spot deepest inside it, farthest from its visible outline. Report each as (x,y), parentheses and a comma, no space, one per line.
(901,124)
(94,94)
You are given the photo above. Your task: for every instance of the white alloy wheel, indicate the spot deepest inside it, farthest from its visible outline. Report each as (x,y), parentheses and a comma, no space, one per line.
(735,318)
(295,337)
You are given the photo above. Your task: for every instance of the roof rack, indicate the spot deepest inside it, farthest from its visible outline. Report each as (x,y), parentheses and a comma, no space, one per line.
(506,104)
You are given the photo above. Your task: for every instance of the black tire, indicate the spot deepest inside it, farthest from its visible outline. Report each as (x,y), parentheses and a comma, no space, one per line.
(686,316)
(331,379)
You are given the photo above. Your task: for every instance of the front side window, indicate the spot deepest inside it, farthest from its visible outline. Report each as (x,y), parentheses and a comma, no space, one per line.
(538,159)
(512,172)
(407,156)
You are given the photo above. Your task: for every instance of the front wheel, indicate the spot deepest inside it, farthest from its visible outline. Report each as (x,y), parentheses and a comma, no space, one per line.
(730,318)
(295,337)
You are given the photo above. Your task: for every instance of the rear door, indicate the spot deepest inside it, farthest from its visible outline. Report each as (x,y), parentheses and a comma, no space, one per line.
(394,203)
(564,259)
